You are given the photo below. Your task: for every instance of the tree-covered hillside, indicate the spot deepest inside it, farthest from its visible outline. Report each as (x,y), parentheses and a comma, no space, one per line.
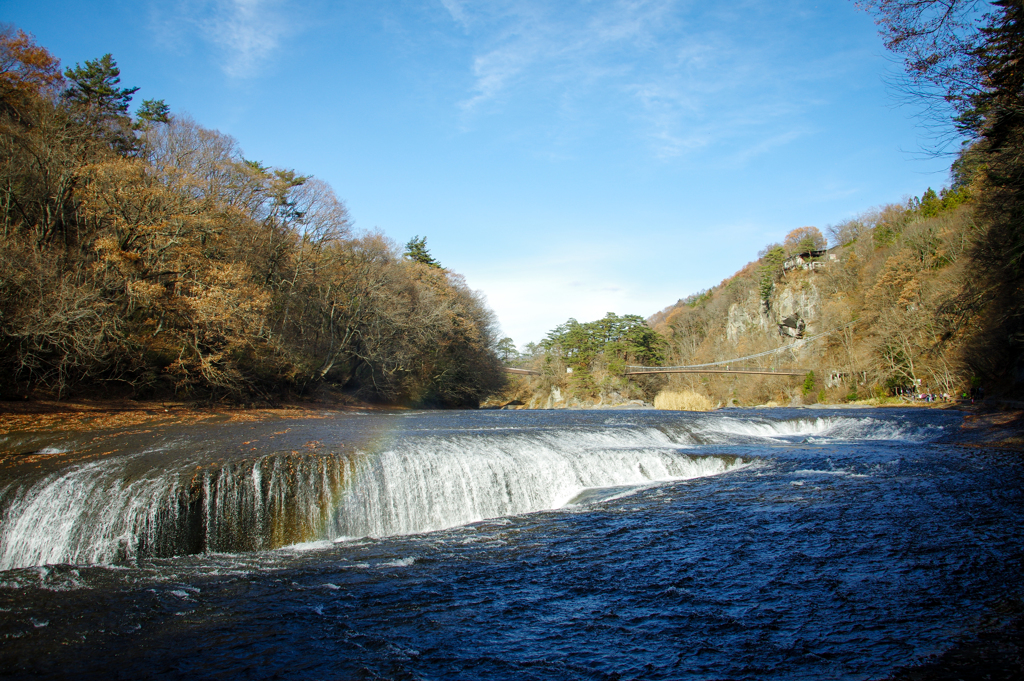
(146,255)
(934,287)
(886,310)
(881,312)
(926,295)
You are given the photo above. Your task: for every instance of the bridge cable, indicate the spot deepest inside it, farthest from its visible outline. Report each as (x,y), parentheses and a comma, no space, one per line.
(801,342)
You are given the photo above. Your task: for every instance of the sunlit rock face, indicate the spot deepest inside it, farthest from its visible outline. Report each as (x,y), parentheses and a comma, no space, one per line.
(797,297)
(745,317)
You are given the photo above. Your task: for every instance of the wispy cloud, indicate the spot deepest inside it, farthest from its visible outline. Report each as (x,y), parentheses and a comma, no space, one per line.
(455,8)
(246,34)
(525,42)
(744,156)
(681,76)
(494,72)
(248,31)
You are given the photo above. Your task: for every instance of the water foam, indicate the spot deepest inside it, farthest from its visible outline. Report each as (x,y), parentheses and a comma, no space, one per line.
(436,483)
(95,513)
(818,430)
(424,480)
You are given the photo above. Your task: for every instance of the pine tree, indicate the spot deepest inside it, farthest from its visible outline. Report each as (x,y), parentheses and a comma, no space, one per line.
(416,250)
(96,85)
(154,111)
(99,102)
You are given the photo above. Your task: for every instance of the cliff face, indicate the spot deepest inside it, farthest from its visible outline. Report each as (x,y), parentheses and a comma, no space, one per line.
(791,299)
(746,316)
(727,323)
(802,299)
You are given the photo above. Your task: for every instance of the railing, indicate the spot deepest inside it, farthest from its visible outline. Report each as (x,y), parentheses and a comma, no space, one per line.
(635,371)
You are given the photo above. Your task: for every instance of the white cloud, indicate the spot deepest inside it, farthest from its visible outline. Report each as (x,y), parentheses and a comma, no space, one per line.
(248,32)
(493,72)
(534,296)
(457,11)
(530,306)
(543,43)
(245,33)
(743,156)
(680,75)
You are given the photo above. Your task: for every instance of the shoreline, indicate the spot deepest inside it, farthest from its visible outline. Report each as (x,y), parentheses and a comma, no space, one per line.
(993,423)
(35,416)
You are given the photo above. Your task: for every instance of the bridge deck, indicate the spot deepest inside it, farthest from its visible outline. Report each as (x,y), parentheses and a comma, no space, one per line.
(656,370)
(763,372)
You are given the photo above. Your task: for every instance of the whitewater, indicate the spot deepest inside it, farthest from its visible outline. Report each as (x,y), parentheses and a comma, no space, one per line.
(770,544)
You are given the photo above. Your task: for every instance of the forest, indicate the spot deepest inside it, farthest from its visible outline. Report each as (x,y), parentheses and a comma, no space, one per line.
(143,255)
(886,311)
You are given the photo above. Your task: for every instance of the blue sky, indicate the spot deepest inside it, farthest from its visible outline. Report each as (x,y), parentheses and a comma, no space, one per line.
(569,158)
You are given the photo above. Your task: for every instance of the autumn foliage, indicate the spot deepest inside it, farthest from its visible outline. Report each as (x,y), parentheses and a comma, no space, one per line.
(151,258)
(26,69)
(897,295)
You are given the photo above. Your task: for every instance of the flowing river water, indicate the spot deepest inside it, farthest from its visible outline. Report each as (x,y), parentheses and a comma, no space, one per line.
(743,544)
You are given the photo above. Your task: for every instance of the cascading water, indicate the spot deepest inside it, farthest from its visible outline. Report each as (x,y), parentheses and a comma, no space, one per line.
(94,514)
(174,504)
(172,500)
(436,483)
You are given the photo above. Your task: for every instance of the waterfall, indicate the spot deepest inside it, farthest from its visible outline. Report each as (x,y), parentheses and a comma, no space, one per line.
(197,491)
(92,513)
(97,512)
(437,483)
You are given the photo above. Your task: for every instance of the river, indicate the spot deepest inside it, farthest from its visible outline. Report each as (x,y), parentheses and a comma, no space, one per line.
(740,544)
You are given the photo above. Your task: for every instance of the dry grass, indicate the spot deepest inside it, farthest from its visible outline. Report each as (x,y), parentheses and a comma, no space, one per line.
(686,400)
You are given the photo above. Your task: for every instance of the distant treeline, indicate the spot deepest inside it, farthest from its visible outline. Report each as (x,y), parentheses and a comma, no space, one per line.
(145,255)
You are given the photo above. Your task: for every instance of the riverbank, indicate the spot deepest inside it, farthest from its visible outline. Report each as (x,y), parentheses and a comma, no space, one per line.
(86,414)
(79,414)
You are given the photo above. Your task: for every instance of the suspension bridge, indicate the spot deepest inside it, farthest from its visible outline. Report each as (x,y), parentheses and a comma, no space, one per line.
(636,371)
(724,366)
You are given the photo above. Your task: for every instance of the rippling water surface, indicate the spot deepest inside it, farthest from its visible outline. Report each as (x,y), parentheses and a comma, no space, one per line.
(786,544)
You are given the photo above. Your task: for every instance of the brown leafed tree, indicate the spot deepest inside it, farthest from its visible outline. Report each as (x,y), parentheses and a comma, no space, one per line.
(168,263)
(938,41)
(803,239)
(27,71)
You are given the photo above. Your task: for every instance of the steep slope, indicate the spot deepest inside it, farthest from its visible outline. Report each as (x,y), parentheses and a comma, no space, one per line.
(883,312)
